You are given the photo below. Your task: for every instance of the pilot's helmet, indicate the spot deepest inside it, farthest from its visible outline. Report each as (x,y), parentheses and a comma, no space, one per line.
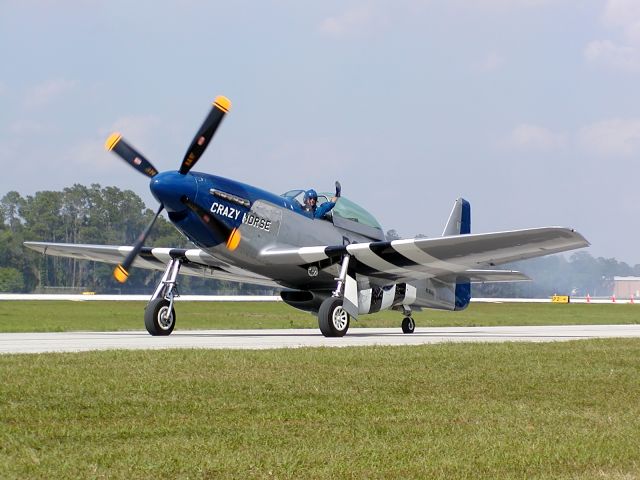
(310,194)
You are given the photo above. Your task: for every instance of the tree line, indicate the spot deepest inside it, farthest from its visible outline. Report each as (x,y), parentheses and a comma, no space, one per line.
(110,216)
(94,215)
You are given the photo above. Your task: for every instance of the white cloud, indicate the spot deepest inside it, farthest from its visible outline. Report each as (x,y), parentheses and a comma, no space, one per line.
(623,16)
(90,155)
(534,137)
(355,21)
(139,131)
(138,128)
(609,54)
(45,93)
(610,138)
(614,137)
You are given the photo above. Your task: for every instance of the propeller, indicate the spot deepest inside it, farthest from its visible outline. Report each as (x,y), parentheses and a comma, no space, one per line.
(121,272)
(220,107)
(218,228)
(115,143)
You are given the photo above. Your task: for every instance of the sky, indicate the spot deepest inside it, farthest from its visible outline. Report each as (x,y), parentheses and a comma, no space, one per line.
(526,108)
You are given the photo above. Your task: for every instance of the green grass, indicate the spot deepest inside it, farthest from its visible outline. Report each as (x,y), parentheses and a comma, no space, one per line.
(523,411)
(57,316)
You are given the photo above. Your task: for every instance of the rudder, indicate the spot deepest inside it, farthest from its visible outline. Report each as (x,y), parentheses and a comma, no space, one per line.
(459,223)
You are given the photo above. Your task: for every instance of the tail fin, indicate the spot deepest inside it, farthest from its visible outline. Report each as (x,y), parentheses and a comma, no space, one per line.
(459,221)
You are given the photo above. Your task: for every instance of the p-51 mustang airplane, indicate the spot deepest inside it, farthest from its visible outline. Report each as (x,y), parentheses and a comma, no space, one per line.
(338,267)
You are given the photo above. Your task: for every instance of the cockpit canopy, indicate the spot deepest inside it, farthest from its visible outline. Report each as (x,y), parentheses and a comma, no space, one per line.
(346,214)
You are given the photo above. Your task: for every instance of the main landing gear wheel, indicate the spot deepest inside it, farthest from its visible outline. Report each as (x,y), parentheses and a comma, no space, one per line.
(158,319)
(333,319)
(408,325)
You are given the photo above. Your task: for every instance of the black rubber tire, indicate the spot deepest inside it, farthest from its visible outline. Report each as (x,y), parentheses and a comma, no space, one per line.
(333,320)
(152,317)
(408,325)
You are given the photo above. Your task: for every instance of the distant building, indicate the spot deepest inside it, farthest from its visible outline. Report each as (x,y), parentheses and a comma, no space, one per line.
(624,287)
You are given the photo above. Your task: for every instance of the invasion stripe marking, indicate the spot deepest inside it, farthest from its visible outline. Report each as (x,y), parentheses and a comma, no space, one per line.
(335,251)
(411,295)
(387,297)
(146,257)
(367,271)
(409,249)
(312,254)
(363,254)
(372,300)
(162,254)
(386,251)
(376,299)
(364,301)
(401,291)
(198,256)
(196,261)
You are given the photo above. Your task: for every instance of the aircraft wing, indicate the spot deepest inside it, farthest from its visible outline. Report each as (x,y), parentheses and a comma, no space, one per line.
(443,257)
(195,261)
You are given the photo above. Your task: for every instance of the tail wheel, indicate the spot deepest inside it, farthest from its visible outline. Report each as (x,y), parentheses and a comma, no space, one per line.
(333,319)
(408,325)
(158,318)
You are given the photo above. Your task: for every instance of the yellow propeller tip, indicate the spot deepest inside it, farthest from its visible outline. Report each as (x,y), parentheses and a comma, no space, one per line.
(120,274)
(223,103)
(112,141)
(234,239)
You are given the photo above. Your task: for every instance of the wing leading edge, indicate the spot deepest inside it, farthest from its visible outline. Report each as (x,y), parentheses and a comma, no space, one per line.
(442,257)
(195,261)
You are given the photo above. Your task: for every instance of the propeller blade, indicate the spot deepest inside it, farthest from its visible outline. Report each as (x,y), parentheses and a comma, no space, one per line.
(218,228)
(115,143)
(220,107)
(121,272)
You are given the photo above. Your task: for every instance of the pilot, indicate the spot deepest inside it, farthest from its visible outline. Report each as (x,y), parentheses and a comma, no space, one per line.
(311,200)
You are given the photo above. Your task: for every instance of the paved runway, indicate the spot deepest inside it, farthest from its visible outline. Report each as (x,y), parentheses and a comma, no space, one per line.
(264,339)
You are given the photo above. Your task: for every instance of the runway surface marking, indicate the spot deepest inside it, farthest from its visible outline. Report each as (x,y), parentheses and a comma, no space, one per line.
(271,339)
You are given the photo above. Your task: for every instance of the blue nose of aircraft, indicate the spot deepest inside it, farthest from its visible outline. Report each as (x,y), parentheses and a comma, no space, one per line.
(170,187)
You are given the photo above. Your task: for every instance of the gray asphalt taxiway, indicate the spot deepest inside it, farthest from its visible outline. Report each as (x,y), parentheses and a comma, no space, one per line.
(270,339)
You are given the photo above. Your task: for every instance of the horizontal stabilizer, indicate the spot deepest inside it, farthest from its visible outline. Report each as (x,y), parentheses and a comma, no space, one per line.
(486,276)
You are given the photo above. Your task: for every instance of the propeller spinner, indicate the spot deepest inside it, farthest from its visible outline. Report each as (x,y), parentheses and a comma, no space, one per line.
(115,143)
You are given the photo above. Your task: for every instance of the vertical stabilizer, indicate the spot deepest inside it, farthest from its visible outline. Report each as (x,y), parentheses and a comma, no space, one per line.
(459,221)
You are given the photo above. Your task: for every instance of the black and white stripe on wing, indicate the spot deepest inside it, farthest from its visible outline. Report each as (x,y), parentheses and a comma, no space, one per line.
(389,252)
(399,259)
(366,257)
(420,258)
(192,259)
